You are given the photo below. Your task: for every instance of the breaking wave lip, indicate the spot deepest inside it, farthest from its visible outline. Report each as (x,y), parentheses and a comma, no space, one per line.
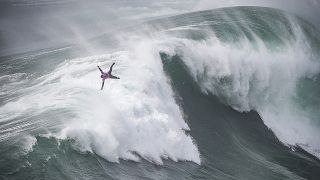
(249,74)
(132,118)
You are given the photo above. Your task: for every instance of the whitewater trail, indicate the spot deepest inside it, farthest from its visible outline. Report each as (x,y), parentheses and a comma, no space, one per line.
(131,118)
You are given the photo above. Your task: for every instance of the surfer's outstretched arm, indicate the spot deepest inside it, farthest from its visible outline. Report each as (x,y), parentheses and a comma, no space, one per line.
(110,70)
(100,69)
(102,84)
(113,77)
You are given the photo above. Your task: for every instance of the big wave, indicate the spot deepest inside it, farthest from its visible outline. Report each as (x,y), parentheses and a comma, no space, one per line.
(267,62)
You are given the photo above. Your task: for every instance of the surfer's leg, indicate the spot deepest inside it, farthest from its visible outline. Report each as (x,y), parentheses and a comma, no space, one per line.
(110,70)
(113,77)
(102,84)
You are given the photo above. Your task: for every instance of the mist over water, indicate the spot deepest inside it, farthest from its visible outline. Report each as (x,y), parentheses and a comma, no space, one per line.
(30,25)
(307,9)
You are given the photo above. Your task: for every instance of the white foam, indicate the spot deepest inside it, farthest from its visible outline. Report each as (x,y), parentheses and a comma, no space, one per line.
(134,115)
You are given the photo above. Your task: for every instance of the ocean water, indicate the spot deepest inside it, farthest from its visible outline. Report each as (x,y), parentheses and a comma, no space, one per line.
(230,93)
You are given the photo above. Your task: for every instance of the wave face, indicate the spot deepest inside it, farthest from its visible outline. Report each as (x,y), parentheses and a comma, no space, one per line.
(256,59)
(177,70)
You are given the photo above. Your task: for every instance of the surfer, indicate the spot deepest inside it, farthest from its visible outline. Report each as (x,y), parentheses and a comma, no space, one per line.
(105,76)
